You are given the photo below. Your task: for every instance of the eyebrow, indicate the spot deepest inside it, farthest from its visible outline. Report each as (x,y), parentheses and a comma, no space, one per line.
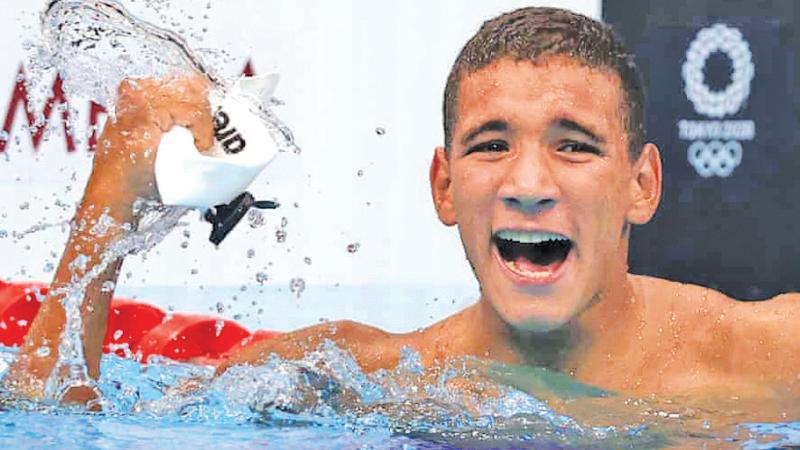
(571,125)
(492,125)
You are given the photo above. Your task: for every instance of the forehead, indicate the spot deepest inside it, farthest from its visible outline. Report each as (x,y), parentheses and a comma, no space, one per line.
(527,94)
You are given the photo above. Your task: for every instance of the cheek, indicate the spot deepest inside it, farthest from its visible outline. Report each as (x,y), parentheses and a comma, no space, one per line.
(473,200)
(473,193)
(602,203)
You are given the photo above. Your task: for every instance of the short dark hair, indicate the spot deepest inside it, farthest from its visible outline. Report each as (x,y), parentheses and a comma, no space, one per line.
(536,32)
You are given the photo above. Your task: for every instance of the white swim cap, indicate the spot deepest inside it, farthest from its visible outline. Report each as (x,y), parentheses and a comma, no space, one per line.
(243,146)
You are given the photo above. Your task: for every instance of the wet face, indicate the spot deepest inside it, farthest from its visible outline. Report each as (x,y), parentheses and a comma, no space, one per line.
(540,183)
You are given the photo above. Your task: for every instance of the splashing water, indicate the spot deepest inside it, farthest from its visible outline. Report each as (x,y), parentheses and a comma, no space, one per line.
(95,45)
(297,286)
(70,369)
(327,388)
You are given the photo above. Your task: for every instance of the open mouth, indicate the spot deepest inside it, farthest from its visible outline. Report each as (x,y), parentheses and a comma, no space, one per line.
(535,255)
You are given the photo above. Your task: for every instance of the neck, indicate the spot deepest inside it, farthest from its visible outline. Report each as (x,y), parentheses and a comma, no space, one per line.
(607,315)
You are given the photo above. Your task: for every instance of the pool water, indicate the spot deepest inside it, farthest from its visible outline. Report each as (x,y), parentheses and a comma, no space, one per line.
(325,402)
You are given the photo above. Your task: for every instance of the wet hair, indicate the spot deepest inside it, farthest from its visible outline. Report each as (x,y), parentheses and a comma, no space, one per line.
(537,32)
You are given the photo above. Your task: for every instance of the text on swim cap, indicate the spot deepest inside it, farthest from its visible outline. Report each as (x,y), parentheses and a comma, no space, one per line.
(230,139)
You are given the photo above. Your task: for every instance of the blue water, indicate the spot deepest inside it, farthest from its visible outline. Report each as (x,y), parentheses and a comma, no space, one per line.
(325,402)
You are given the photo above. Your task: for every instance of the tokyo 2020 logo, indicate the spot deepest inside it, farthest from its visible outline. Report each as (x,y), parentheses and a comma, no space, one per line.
(716,149)
(718,38)
(715,157)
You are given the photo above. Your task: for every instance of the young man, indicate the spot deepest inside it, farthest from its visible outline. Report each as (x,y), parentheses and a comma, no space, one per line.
(544,171)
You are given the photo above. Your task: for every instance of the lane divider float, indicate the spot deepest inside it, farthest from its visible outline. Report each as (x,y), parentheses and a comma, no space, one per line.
(135,329)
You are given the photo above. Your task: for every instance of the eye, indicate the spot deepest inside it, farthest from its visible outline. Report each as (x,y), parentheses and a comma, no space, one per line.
(494,146)
(579,147)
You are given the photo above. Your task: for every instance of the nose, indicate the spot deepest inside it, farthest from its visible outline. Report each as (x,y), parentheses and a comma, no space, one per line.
(529,186)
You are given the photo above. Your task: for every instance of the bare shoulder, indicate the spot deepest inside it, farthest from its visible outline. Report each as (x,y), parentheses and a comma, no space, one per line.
(703,303)
(372,347)
(674,294)
(661,288)
(745,338)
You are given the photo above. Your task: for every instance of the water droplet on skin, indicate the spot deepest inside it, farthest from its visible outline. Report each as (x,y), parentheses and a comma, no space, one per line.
(108,286)
(297,286)
(352,248)
(380,131)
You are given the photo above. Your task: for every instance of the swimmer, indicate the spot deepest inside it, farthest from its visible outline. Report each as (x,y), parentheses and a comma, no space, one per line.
(544,170)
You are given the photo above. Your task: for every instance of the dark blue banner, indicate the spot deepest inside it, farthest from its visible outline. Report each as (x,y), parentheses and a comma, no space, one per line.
(721,109)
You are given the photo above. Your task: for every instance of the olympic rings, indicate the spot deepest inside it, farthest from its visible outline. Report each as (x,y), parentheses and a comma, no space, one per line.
(729,40)
(715,158)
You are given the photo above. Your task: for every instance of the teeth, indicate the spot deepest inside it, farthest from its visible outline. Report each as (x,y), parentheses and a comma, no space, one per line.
(530,237)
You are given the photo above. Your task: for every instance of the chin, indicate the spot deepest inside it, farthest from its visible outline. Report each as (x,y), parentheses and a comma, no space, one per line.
(537,315)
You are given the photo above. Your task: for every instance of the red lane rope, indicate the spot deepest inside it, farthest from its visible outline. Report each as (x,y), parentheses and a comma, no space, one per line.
(135,328)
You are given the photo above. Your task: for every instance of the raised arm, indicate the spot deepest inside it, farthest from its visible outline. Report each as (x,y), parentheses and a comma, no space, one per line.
(122,173)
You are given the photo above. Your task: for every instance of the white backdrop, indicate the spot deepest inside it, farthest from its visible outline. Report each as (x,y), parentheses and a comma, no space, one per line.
(347,69)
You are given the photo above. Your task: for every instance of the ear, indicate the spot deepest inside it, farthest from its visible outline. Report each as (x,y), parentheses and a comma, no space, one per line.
(645,186)
(441,184)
